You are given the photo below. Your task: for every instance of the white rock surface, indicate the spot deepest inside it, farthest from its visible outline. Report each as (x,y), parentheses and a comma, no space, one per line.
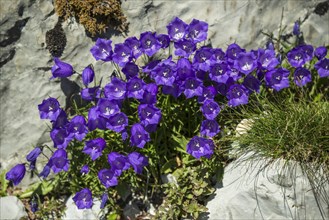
(273,193)
(11,208)
(72,212)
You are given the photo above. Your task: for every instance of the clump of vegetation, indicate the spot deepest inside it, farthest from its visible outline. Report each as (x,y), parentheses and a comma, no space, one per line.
(97,16)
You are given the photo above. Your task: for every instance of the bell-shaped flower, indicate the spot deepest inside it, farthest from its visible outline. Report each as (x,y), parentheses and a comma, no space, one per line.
(108,177)
(90,94)
(149,43)
(176,29)
(130,70)
(246,62)
(60,137)
(197,31)
(59,161)
(320,52)
(210,109)
(107,107)
(121,55)
(16,174)
(192,87)
(94,148)
(49,109)
(102,50)
(184,47)
(134,44)
(117,122)
(77,127)
(209,128)
(95,120)
(237,95)
(118,162)
(83,199)
(322,66)
(200,147)
(88,75)
(139,136)
(137,161)
(135,88)
(116,89)
(302,76)
(277,78)
(61,69)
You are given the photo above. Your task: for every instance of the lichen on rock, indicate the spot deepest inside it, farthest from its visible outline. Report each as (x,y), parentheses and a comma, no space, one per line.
(95,15)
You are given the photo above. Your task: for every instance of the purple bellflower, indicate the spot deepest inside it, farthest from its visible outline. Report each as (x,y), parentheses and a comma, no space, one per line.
(149,116)
(16,174)
(277,78)
(118,162)
(77,127)
(176,29)
(209,128)
(184,69)
(210,109)
(320,52)
(90,94)
(59,161)
(296,57)
(108,177)
(116,89)
(246,62)
(84,169)
(130,70)
(252,84)
(201,60)
(95,120)
(200,147)
(150,94)
(218,55)
(302,76)
(117,122)
(232,52)
(134,44)
(61,69)
(94,148)
(197,30)
(61,121)
(164,40)
(135,88)
(121,55)
(192,87)
(102,50)
(107,107)
(322,66)
(88,75)
(139,136)
(60,137)
(137,161)
(149,43)
(296,29)
(218,72)
(83,199)
(237,95)
(184,47)
(49,109)
(164,74)
(104,199)
(267,59)
(33,155)
(207,93)
(46,170)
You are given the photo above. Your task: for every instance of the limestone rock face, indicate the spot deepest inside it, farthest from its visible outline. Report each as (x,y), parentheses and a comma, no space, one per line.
(251,191)
(25,61)
(11,208)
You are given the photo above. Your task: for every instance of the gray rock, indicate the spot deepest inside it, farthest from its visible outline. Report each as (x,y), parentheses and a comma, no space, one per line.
(11,208)
(72,212)
(253,190)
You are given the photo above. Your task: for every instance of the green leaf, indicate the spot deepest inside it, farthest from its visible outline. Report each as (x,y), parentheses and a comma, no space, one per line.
(4,183)
(168,166)
(113,216)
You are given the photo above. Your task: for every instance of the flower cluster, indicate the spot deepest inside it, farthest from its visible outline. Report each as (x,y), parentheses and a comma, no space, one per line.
(193,71)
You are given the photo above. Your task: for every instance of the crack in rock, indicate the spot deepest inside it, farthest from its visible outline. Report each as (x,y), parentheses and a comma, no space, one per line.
(14,33)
